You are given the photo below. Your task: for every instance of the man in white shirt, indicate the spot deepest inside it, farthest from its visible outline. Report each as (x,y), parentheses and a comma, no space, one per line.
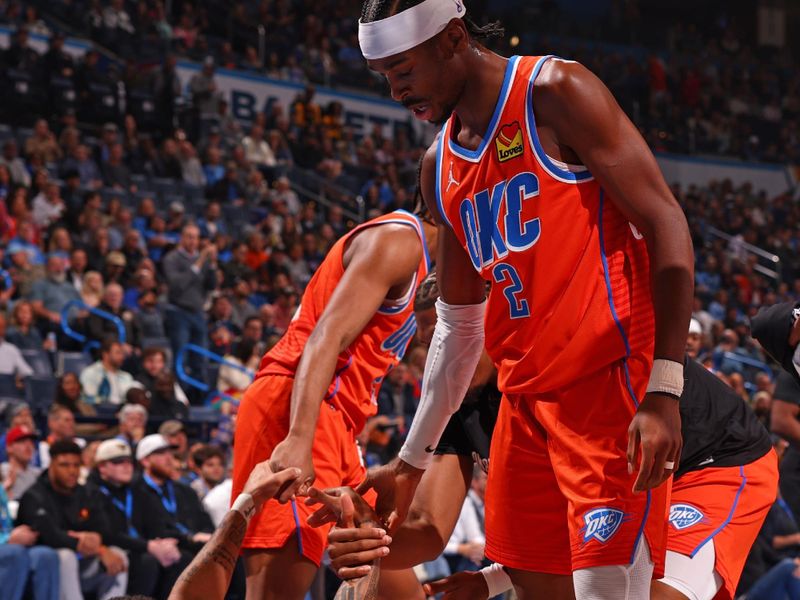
(105,381)
(466,545)
(257,150)
(11,360)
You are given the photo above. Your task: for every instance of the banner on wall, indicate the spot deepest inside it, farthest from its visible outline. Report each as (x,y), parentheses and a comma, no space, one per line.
(248,94)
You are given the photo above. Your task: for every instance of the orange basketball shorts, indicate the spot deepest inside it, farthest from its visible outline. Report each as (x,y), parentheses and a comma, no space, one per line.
(559,497)
(262,423)
(726,505)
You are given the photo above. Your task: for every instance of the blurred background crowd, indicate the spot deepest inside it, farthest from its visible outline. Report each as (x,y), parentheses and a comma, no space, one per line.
(153,247)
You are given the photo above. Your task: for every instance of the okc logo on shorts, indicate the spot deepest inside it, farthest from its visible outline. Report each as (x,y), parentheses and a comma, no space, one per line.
(683,516)
(601,524)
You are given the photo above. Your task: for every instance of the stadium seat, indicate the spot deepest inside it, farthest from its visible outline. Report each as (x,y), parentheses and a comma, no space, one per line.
(8,387)
(203,414)
(165,187)
(72,362)
(62,95)
(103,104)
(106,409)
(40,392)
(39,361)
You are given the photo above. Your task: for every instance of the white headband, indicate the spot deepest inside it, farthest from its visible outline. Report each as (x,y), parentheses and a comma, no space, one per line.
(407,29)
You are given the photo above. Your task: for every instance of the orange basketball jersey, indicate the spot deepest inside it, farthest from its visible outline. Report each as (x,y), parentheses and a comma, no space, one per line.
(570,290)
(361,368)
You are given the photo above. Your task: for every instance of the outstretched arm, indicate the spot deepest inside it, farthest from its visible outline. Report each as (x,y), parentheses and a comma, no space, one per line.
(380,258)
(207,577)
(587,121)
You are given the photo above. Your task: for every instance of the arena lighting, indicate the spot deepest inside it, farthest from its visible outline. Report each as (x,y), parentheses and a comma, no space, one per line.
(514,41)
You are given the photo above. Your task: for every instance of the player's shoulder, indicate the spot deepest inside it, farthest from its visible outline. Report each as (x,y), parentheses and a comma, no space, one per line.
(559,76)
(388,237)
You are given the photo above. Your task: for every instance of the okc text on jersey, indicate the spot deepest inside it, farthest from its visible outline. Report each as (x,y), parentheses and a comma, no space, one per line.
(601,524)
(683,516)
(487,242)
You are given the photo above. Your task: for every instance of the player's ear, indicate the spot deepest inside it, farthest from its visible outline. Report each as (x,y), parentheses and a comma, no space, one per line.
(454,38)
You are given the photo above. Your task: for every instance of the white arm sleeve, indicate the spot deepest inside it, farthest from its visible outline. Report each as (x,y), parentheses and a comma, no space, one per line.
(454,353)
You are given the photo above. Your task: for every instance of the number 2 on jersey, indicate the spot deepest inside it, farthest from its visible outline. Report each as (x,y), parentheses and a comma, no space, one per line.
(517,305)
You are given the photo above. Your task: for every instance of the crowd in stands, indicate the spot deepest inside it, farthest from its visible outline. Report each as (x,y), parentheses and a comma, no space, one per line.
(139,217)
(694,86)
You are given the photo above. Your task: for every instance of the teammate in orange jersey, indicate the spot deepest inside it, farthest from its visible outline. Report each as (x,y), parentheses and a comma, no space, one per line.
(541,185)
(316,388)
(723,489)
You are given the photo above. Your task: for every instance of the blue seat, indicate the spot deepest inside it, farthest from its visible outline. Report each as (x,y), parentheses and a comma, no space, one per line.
(39,361)
(40,391)
(72,362)
(8,387)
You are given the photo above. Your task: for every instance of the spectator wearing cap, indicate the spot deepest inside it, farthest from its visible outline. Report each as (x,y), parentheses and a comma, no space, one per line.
(180,508)
(21,560)
(114,267)
(154,561)
(18,415)
(60,428)
(73,521)
(19,473)
(175,433)
(11,360)
(104,381)
(694,341)
(132,419)
(190,274)
(209,466)
(176,217)
(51,294)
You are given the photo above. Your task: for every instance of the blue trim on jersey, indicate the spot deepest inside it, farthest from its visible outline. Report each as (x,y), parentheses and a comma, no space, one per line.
(498,110)
(337,379)
(393,309)
(641,527)
(297,527)
(608,278)
(730,514)
(553,169)
(421,235)
(439,154)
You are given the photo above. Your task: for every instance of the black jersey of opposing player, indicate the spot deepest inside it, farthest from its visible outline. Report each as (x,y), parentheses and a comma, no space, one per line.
(719,429)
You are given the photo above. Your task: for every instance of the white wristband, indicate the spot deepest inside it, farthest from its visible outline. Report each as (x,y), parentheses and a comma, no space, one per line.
(497,580)
(244,505)
(666,377)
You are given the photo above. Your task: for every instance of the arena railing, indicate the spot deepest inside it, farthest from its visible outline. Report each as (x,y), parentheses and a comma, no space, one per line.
(81,338)
(296,174)
(771,269)
(202,386)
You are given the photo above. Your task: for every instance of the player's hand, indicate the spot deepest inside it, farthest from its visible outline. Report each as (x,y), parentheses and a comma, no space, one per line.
(654,437)
(264,483)
(467,585)
(353,550)
(333,511)
(293,452)
(395,485)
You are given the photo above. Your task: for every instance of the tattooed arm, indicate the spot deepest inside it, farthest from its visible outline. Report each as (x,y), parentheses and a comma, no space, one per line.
(207,577)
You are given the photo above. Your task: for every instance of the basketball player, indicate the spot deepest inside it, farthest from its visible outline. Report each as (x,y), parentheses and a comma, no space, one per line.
(316,388)
(724,487)
(541,185)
